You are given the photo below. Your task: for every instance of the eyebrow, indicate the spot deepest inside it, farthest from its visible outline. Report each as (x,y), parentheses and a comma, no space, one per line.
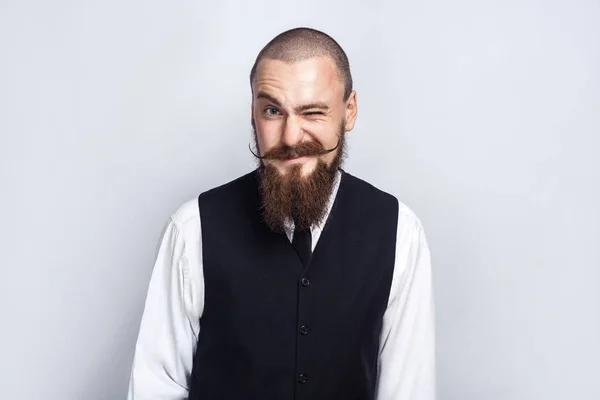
(298,109)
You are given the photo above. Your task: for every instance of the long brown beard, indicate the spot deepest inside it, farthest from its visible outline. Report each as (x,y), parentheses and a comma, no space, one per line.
(304,199)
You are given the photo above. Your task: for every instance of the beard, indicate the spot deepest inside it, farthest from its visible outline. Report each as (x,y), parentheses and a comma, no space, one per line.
(303,199)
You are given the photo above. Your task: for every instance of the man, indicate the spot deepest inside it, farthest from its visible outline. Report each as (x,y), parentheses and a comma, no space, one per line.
(297,280)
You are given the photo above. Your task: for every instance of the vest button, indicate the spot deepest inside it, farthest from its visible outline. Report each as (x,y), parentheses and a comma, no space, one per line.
(302,379)
(305,281)
(303,330)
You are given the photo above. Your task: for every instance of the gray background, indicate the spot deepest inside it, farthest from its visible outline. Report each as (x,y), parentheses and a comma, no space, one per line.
(482,116)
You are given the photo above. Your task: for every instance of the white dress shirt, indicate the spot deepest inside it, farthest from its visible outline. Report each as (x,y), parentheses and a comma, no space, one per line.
(166,344)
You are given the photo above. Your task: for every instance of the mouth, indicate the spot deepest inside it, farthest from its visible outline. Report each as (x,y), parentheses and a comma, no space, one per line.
(296,160)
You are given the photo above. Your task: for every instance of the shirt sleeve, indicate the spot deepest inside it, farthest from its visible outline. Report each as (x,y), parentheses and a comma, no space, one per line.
(166,342)
(407,347)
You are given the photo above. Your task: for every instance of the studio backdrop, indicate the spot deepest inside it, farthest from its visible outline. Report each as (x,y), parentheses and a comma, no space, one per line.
(482,116)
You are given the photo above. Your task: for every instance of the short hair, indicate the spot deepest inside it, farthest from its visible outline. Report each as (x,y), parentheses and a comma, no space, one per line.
(302,43)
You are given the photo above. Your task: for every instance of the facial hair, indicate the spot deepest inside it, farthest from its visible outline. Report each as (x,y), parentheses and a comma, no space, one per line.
(291,196)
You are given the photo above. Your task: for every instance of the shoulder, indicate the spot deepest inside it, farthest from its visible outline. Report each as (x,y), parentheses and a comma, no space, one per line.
(367,197)
(186,213)
(407,218)
(187,217)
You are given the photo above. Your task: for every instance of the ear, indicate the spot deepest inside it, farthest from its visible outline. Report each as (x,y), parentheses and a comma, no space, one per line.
(351,111)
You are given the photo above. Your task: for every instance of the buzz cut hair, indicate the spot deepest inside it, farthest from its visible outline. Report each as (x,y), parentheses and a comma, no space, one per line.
(299,44)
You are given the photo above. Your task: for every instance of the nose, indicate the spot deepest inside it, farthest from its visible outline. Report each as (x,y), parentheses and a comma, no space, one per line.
(292,132)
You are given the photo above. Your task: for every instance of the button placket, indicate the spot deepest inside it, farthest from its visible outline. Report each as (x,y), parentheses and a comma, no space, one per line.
(303,330)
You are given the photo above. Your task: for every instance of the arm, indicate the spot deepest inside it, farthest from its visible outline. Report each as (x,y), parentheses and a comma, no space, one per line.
(407,350)
(167,338)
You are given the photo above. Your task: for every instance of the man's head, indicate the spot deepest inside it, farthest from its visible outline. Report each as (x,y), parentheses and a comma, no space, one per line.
(302,105)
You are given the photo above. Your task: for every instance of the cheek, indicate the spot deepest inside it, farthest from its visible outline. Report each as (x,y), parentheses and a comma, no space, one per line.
(326,135)
(267,134)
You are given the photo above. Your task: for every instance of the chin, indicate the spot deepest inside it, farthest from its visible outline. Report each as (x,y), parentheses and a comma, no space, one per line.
(307,169)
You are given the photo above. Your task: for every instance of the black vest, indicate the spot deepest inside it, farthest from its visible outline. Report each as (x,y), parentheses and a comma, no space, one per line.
(274,330)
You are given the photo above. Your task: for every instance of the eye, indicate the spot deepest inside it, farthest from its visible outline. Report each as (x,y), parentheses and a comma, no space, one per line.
(314,113)
(271,111)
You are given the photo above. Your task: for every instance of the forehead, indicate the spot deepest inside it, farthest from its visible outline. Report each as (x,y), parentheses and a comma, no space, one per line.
(313,79)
